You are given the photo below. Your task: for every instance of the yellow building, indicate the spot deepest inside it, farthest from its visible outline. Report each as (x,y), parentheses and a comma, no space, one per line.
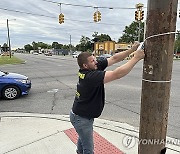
(109,47)
(122,46)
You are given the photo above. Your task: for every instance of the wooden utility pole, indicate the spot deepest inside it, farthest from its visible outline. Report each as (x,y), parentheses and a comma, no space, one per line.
(157,70)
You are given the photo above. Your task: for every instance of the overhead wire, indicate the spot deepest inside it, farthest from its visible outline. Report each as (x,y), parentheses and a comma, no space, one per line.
(34,14)
(90,6)
(17,11)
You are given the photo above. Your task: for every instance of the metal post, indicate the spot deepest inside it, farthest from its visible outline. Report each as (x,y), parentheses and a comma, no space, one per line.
(139,17)
(9,39)
(139,31)
(70,46)
(144,29)
(157,71)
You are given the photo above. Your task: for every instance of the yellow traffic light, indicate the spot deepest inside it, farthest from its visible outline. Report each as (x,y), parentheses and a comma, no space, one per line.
(95,17)
(141,15)
(61,18)
(99,15)
(136,15)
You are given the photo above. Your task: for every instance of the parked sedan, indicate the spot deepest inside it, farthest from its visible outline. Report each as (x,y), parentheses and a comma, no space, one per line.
(76,54)
(48,54)
(13,85)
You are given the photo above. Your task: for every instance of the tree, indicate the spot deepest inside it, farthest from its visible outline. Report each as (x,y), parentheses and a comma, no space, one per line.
(104,37)
(131,32)
(56,45)
(42,45)
(34,45)
(28,47)
(85,44)
(5,47)
(177,43)
(100,38)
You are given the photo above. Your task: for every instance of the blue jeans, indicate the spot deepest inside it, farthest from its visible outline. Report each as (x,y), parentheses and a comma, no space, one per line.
(84,128)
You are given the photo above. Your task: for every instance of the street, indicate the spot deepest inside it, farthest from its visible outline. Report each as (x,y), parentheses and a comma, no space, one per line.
(54,81)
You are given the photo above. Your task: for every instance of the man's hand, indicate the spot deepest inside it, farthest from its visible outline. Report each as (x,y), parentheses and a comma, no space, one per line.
(135,46)
(139,54)
(122,55)
(125,68)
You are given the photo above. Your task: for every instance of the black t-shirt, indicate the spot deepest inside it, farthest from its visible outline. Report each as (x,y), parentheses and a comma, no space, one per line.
(90,95)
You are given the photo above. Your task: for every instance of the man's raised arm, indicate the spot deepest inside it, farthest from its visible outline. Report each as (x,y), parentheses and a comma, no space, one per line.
(122,55)
(124,69)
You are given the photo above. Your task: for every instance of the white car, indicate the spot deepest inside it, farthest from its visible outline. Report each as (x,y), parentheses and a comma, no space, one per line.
(35,53)
(76,54)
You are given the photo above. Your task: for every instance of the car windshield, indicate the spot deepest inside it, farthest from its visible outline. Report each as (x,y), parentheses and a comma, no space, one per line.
(3,73)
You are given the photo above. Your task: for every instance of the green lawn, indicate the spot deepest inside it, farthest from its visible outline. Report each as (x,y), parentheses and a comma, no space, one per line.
(8,60)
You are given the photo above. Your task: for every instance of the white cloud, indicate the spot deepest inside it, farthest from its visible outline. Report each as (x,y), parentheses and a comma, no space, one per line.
(45,27)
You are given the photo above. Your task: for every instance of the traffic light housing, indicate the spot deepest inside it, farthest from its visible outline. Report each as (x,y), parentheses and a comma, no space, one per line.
(179,13)
(95,17)
(136,15)
(98,16)
(141,15)
(61,18)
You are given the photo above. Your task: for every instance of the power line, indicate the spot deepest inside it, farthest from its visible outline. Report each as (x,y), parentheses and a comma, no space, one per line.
(89,6)
(34,14)
(17,11)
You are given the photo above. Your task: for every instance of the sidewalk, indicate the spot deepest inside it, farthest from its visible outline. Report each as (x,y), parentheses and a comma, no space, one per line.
(26,133)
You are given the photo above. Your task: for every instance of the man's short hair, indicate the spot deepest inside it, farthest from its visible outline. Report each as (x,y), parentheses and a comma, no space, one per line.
(82,58)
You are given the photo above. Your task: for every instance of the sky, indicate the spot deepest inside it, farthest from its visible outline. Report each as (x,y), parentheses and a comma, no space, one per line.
(37,20)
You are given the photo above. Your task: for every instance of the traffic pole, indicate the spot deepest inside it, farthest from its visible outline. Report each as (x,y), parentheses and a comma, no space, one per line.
(139,30)
(157,71)
(9,42)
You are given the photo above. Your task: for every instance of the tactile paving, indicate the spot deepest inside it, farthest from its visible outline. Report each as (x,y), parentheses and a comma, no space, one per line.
(101,145)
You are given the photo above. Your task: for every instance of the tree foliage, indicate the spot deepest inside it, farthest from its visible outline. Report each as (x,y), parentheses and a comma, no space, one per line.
(28,47)
(41,45)
(131,33)
(85,44)
(100,38)
(177,43)
(56,45)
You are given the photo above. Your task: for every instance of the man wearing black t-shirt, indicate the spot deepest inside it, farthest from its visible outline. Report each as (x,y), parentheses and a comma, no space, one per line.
(90,95)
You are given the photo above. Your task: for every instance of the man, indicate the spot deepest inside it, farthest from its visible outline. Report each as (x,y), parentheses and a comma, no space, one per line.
(90,95)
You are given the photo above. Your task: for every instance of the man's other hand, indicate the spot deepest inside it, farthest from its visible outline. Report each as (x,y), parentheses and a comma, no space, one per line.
(135,46)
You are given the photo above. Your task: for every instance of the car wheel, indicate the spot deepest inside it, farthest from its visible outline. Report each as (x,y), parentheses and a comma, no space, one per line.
(11,92)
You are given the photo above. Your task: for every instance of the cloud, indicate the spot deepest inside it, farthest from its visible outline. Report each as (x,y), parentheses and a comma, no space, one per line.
(37,20)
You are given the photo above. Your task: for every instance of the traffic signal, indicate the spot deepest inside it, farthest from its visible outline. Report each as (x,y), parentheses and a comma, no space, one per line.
(99,15)
(141,15)
(61,18)
(136,15)
(95,16)
(179,13)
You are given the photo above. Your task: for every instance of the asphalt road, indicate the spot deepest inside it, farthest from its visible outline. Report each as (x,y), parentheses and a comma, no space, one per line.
(54,81)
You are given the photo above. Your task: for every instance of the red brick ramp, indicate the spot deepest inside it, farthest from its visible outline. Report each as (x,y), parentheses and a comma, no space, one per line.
(101,145)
